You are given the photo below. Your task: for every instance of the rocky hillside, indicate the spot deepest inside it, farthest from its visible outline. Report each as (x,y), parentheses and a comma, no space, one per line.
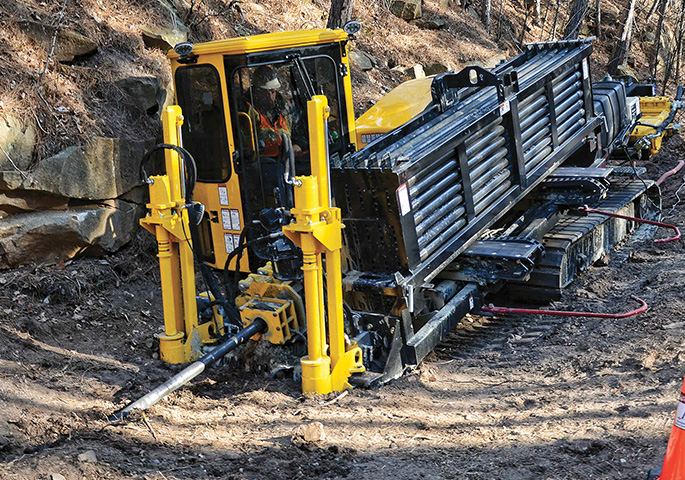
(82,85)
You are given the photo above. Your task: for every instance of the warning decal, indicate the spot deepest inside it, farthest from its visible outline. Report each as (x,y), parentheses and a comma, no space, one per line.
(223,195)
(226,218)
(504,108)
(235,219)
(228,240)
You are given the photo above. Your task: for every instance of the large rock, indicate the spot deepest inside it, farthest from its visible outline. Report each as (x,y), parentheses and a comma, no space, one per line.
(361,59)
(68,44)
(51,236)
(168,34)
(415,72)
(103,169)
(626,71)
(406,9)
(18,141)
(19,201)
(436,68)
(142,93)
(433,24)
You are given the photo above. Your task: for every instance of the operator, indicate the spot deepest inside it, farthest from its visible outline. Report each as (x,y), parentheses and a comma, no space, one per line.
(269,113)
(271,119)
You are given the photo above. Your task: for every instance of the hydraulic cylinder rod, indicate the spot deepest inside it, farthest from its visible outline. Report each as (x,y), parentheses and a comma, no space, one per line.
(192,371)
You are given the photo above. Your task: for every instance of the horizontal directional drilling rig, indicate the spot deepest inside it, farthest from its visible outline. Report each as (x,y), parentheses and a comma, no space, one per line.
(368,240)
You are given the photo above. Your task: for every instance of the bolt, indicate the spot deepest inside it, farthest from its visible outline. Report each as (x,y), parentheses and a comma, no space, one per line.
(278,329)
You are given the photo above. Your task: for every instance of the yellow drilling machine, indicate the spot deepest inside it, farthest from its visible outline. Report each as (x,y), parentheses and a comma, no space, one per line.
(367,240)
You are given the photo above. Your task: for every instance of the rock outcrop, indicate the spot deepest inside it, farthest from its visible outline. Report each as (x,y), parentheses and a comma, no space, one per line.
(406,9)
(49,236)
(69,44)
(84,200)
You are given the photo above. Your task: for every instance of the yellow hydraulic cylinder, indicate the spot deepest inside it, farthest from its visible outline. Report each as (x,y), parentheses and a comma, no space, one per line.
(316,228)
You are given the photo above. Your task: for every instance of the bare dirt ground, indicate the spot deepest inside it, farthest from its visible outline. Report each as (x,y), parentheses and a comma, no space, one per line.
(511,397)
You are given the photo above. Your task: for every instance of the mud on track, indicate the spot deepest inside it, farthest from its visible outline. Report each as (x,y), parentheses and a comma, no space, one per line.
(509,397)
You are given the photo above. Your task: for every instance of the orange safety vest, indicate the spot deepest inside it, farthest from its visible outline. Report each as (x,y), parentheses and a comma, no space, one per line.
(270,133)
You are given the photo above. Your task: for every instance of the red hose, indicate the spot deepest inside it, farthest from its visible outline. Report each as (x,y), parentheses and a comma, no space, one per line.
(563,313)
(680,165)
(639,220)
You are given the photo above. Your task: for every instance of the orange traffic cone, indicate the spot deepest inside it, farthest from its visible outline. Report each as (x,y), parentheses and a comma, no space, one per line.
(674,461)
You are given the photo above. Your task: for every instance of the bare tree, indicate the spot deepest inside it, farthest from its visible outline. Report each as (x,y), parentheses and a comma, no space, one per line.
(651,10)
(553,33)
(623,44)
(575,19)
(679,45)
(340,13)
(499,25)
(657,40)
(485,14)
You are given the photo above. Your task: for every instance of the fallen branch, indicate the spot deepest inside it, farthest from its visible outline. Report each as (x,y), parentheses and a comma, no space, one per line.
(54,40)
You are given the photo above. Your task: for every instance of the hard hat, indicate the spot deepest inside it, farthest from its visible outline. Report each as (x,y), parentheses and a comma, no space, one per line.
(266,78)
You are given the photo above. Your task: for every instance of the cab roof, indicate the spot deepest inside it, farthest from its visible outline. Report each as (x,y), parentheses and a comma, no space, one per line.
(267,41)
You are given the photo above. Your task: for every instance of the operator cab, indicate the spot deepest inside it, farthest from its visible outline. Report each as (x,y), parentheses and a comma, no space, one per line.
(245,123)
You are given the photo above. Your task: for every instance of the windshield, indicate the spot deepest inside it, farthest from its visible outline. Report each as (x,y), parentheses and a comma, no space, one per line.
(270,116)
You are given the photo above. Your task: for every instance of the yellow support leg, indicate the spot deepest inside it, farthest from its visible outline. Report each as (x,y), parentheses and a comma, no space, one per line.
(317,230)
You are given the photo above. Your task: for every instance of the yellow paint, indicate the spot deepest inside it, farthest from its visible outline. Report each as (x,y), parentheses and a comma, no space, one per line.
(396,108)
(182,339)
(655,110)
(213,53)
(266,42)
(317,229)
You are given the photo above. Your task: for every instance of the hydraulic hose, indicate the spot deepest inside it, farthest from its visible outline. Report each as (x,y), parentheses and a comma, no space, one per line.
(564,313)
(192,371)
(678,167)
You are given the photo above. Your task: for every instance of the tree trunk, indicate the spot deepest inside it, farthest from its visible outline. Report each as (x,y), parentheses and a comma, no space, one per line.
(499,25)
(340,14)
(623,44)
(485,14)
(553,33)
(575,19)
(679,47)
(657,41)
(598,30)
(544,19)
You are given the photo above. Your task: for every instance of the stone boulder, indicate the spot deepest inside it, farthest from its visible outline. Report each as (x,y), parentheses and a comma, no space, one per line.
(165,36)
(625,70)
(436,68)
(361,59)
(17,142)
(52,235)
(142,93)
(425,24)
(20,201)
(415,72)
(103,169)
(69,45)
(406,9)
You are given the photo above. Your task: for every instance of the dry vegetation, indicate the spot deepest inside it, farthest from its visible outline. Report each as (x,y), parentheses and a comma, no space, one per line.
(73,102)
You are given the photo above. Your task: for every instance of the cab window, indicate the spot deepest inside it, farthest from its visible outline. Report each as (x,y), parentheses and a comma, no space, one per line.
(204,127)
(270,120)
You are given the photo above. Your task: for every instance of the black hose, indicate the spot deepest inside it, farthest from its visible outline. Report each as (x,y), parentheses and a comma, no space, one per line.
(188,161)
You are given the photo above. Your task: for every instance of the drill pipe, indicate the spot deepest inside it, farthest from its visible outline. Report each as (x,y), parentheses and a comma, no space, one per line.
(191,371)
